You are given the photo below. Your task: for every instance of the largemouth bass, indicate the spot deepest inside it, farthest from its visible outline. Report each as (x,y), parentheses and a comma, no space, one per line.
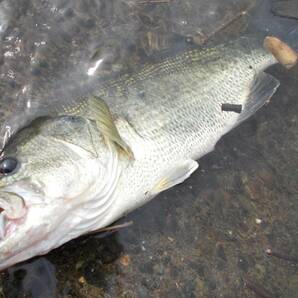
(65,176)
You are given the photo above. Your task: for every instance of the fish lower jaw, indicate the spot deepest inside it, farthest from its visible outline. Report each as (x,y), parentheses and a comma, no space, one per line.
(9,225)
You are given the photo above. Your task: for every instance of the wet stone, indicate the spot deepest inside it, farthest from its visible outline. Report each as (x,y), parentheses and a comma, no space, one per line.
(94,275)
(88,24)
(174,272)
(221,253)
(12,83)
(189,290)
(36,71)
(221,265)
(69,13)
(166,260)
(211,284)
(110,250)
(67,37)
(198,268)
(129,236)
(151,283)
(159,268)
(142,291)
(170,293)
(43,63)
(107,256)
(147,268)
(243,264)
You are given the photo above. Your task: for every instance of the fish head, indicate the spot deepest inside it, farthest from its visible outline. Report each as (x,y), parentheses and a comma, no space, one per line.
(45,187)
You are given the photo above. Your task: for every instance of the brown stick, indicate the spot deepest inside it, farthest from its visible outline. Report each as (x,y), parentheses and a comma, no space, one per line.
(258,289)
(111,228)
(224,26)
(281,256)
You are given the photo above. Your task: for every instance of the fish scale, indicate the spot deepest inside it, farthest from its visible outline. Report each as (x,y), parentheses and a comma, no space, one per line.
(188,123)
(168,114)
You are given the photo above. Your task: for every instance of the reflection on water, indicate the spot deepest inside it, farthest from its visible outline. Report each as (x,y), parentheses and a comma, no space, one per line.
(205,238)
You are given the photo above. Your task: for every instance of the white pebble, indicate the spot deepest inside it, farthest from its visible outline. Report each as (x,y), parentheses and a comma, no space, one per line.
(258,221)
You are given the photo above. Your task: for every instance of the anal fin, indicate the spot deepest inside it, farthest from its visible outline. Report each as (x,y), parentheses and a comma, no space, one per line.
(175,175)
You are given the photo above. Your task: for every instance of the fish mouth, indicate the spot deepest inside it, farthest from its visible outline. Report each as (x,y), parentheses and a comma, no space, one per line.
(13,211)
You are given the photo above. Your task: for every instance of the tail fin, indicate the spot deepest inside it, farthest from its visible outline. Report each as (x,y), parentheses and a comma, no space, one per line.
(262,89)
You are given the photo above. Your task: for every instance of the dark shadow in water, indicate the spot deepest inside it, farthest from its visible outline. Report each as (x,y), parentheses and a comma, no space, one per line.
(36,279)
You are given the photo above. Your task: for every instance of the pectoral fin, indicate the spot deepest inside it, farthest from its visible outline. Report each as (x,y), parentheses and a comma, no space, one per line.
(175,175)
(95,108)
(101,114)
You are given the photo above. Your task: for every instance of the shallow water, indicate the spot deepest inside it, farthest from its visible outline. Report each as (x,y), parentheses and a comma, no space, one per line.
(57,50)
(207,237)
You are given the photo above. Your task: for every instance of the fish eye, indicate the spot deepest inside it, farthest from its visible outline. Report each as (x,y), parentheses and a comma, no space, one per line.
(8,165)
